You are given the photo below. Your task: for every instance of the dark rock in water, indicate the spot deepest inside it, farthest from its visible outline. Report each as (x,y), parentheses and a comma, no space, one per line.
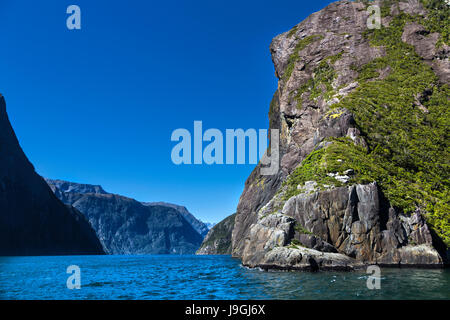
(198,225)
(32,220)
(218,239)
(126,226)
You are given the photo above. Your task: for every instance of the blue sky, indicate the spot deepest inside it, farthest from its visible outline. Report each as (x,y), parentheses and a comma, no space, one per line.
(98,105)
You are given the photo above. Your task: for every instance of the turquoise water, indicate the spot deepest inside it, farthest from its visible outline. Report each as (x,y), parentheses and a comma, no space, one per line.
(203,277)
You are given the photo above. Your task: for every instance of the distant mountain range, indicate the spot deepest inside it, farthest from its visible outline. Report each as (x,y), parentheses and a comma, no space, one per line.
(32,220)
(363,115)
(77,219)
(126,226)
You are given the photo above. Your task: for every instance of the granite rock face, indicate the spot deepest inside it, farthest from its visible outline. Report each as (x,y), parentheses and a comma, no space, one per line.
(126,226)
(198,225)
(354,221)
(336,227)
(342,228)
(218,239)
(32,220)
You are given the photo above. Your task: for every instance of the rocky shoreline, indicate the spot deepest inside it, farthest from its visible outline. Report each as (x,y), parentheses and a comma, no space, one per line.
(306,235)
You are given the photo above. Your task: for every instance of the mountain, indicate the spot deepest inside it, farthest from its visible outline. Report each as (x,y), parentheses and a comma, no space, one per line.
(364,143)
(210,225)
(126,226)
(62,186)
(198,225)
(32,220)
(218,239)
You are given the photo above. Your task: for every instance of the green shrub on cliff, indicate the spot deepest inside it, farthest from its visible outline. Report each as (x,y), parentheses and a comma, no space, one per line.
(302,44)
(219,236)
(438,19)
(321,82)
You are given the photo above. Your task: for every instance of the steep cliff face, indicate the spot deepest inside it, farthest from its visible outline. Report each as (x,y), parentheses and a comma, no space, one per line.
(218,239)
(32,220)
(126,226)
(363,119)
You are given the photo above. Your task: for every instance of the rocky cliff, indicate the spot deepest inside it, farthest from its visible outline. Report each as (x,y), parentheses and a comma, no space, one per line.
(363,119)
(126,226)
(32,220)
(218,239)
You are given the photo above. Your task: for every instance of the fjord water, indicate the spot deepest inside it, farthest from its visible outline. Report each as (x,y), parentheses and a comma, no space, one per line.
(202,277)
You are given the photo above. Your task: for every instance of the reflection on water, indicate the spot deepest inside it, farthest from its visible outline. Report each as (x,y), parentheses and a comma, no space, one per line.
(203,277)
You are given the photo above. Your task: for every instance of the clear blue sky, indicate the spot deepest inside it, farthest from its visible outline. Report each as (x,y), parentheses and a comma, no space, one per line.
(98,105)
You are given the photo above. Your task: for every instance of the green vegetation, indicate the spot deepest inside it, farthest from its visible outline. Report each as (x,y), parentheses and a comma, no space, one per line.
(323,76)
(321,82)
(405,121)
(295,244)
(335,58)
(386,7)
(438,19)
(292,32)
(340,156)
(371,70)
(274,107)
(302,44)
(301,229)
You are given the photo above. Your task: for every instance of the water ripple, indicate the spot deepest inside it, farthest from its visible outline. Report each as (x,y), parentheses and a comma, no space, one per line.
(203,277)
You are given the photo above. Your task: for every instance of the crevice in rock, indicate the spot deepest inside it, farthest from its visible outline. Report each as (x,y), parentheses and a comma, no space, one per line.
(384,210)
(290,119)
(440,246)
(354,203)
(423,32)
